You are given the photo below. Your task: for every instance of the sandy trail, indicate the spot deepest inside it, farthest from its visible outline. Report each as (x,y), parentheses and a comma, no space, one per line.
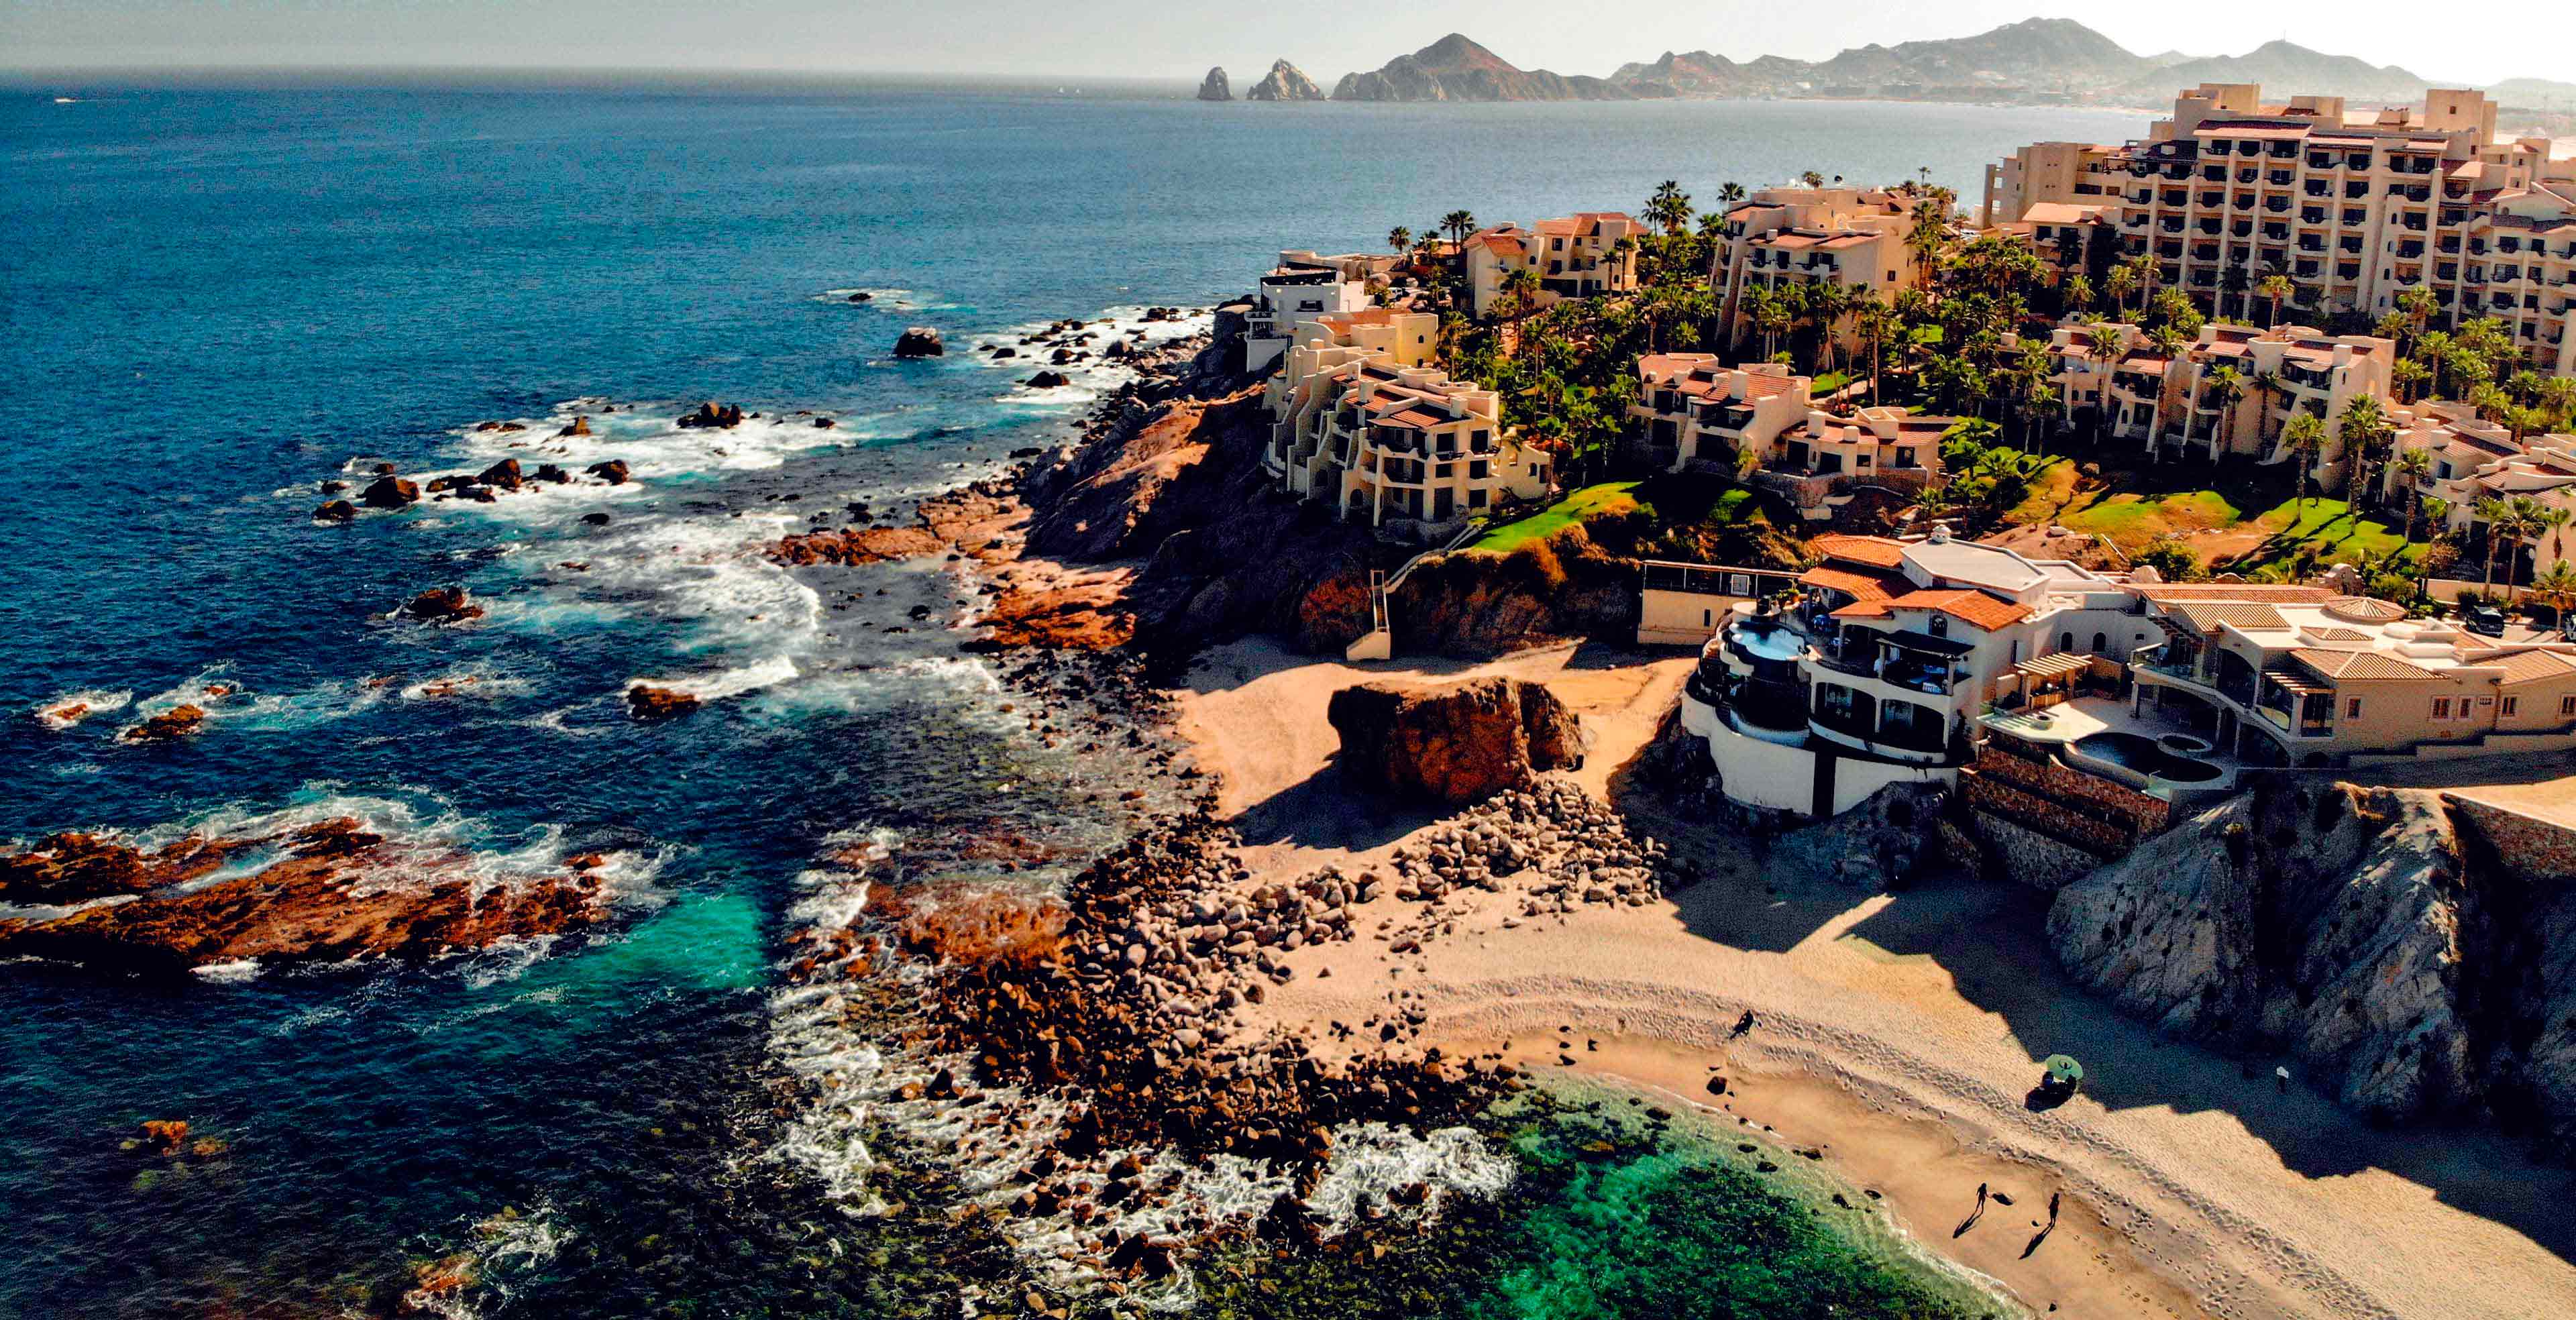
(1900,1033)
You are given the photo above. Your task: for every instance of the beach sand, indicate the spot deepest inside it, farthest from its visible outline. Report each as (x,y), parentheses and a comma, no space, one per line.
(1901,1034)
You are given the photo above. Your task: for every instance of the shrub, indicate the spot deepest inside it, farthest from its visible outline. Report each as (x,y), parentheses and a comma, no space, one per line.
(2173,561)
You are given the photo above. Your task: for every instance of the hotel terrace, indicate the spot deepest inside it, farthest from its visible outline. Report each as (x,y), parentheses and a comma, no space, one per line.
(2474,461)
(1575,257)
(1692,412)
(1301,287)
(2168,407)
(1849,236)
(1897,659)
(2355,206)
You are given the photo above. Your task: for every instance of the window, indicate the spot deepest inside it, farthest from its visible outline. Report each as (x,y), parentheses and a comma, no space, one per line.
(2101,643)
(2352,708)
(2566,707)
(2014,656)
(2507,705)
(1938,625)
(2441,708)
(2066,641)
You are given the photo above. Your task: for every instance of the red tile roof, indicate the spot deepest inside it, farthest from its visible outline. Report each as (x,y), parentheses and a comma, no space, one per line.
(1876,551)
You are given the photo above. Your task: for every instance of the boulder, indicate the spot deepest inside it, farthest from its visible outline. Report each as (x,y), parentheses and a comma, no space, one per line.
(442,605)
(863,296)
(552,472)
(1214,87)
(1452,743)
(595,519)
(920,341)
(1049,380)
(337,511)
(389,492)
(713,416)
(177,722)
(646,702)
(613,471)
(1284,82)
(579,426)
(504,474)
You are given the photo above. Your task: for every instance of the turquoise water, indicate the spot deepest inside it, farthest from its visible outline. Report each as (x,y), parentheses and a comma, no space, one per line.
(220,300)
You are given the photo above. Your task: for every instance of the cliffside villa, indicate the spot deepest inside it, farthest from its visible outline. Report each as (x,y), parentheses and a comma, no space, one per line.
(1578,256)
(1300,288)
(1693,412)
(2355,207)
(1908,660)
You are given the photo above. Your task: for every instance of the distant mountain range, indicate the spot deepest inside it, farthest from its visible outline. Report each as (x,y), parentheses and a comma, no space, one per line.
(2044,59)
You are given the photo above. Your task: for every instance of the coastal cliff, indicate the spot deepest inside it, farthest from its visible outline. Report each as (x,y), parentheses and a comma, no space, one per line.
(2415,966)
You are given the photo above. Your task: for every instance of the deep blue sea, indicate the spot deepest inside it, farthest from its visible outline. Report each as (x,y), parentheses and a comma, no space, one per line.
(212,302)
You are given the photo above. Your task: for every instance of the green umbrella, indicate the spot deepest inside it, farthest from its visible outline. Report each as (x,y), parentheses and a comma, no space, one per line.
(2064,1068)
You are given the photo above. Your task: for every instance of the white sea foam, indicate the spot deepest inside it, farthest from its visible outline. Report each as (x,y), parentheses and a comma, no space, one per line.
(896,300)
(70,708)
(239,971)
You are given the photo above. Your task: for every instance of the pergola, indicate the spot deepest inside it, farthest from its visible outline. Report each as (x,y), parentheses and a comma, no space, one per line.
(2039,672)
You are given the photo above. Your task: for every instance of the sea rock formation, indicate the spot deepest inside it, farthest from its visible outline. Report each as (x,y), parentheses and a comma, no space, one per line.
(389,492)
(1457,69)
(1453,743)
(2373,933)
(441,605)
(712,415)
(612,471)
(170,725)
(504,475)
(334,891)
(1214,87)
(335,511)
(646,702)
(1049,380)
(920,341)
(1284,82)
(1887,841)
(856,545)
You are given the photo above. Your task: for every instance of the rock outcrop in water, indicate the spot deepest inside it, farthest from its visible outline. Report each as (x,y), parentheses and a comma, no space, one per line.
(2376,934)
(646,702)
(330,891)
(1284,82)
(390,492)
(919,342)
(712,416)
(441,605)
(1452,743)
(172,724)
(1214,87)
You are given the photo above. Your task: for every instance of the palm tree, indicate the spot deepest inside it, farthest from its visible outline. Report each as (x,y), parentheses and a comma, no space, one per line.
(2268,387)
(1930,234)
(2413,468)
(2410,377)
(2276,288)
(1519,291)
(1400,238)
(2553,523)
(1828,302)
(1772,316)
(1873,316)
(1669,209)
(1729,193)
(2234,283)
(2367,433)
(2227,385)
(2076,294)
(2305,437)
(1459,224)
(2103,346)
(2509,522)
(2555,587)
(2120,283)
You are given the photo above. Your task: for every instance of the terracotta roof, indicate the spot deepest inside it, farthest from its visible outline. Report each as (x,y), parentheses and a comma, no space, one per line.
(2205,617)
(2359,666)
(1763,387)
(1975,608)
(1873,550)
(1864,586)
(2533,666)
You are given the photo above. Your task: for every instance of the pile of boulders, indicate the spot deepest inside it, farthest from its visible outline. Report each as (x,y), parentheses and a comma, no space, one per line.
(1554,844)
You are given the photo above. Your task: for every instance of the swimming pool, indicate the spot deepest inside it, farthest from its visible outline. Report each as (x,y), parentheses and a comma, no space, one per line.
(1768,641)
(2142,757)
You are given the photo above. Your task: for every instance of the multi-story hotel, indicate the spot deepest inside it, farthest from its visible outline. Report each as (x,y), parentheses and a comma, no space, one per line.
(1361,418)
(2355,206)
(2473,461)
(1302,287)
(1854,237)
(1578,256)
(1900,657)
(2171,408)
(1691,411)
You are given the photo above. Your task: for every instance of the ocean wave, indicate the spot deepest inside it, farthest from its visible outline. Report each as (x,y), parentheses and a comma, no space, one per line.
(502,1251)
(240,971)
(895,300)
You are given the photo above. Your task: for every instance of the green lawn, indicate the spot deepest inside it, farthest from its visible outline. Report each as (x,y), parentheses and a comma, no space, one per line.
(2328,524)
(1610,498)
(2237,516)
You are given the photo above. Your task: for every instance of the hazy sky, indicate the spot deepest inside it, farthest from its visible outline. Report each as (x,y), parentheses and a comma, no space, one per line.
(1180,38)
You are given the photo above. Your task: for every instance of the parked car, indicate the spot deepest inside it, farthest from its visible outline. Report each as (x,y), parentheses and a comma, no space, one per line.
(2487,620)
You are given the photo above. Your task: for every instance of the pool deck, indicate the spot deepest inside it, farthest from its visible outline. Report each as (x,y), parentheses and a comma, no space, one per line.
(2060,726)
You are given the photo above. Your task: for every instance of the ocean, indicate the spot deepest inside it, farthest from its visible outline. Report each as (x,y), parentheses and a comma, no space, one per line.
(219,300)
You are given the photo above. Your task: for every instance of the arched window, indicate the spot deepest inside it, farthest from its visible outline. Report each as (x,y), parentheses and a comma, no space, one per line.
(2101,643)
(2066,641)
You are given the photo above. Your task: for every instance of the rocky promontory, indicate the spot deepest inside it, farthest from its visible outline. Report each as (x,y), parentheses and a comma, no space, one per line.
(329,891)
(2375,935)
(1452,743)
(1457,69)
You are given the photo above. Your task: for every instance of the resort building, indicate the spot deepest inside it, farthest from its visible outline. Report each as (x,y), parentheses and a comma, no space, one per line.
(1579,256)
(1402,446)
(2299,676)
(1908,661)
(1693,413)
(1853,237)
(1891,652)
(2473,461)
(2176,409)
(1300,288)
(2355,206)
(1300,394)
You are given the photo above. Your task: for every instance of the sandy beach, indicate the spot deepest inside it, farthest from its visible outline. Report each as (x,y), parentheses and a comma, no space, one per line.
(1897,1033)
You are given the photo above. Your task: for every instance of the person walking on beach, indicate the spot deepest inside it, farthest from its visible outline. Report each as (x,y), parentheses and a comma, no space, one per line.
(1743,1026)
(2053,1198)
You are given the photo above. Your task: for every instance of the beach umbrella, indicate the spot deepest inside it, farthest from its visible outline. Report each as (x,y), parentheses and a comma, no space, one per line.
(2063,1068)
